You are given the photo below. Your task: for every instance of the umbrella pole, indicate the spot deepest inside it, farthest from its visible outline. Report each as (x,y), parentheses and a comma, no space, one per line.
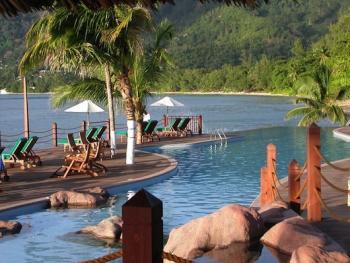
(88,119)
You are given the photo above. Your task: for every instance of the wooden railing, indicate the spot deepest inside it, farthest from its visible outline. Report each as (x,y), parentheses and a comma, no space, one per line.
(195,125)
(311,175)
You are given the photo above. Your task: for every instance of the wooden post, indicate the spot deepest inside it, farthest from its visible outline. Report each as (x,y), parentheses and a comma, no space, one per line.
(270,164)
(313,178)
(294,186)
(83,126)
(165,120)
(264,187)
(108,130)
(200,124)
(54,134)
(143,229)
(25,108)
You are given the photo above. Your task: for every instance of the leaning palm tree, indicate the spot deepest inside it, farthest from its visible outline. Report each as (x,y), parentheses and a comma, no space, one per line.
(81,40)
(320,102)
(146,69)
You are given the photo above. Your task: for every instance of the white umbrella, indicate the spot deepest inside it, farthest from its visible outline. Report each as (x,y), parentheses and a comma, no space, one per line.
(167,102)
(86,106)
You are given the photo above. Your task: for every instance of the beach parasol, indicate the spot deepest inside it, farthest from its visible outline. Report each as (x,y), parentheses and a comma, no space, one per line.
(86,106)
(167,102)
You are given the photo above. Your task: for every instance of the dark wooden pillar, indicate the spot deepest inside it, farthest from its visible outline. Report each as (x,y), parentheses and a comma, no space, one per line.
(83,126)
(294,186)
(313,169)
(143,229)
(54,134)
(200,124)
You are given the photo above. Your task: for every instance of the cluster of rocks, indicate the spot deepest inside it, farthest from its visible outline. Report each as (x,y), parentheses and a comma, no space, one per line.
(287,233)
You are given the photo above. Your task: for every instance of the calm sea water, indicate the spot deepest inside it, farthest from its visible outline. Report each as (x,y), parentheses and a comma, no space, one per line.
(231,113)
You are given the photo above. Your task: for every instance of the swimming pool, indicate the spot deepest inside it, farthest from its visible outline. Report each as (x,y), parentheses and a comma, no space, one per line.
(209,176)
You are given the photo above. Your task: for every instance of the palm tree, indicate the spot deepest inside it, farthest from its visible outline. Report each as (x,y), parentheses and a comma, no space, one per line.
(84,40)
(146,70)
(320,103)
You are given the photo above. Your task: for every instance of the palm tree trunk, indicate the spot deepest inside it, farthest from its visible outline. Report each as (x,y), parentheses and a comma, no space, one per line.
(110,111)
(139,119)
(126,92)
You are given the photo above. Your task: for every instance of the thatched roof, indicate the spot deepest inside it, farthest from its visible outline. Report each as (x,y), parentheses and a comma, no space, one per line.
(14,7)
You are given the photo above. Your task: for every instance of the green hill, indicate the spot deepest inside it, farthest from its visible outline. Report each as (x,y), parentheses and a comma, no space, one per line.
(222,34)
(216,47)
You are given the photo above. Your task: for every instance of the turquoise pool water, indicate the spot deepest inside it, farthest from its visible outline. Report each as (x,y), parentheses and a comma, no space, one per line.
(210,175)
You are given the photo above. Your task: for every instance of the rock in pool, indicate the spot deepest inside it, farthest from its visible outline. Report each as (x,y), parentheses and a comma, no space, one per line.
(9,228)
(316,254)
(109,228)
(232,223)
(90,198)
(291,234)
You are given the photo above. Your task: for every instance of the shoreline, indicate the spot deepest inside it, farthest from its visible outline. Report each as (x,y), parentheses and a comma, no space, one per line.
(231,93)
(193,93)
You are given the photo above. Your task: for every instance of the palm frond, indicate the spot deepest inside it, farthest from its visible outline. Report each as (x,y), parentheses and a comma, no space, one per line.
(92,88)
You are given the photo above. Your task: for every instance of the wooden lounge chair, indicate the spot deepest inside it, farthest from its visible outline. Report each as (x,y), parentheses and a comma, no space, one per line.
(3,168)
(149,132)
(77,163)
(90,134)
(83,163)
(98,133)
(31,158)
(94,156)
(182,128)
(171,128)
(14,155)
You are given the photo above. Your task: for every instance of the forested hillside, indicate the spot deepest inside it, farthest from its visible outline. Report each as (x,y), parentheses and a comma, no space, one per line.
(216,47)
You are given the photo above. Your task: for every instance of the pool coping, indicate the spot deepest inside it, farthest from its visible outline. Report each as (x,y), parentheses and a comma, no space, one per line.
(35,205)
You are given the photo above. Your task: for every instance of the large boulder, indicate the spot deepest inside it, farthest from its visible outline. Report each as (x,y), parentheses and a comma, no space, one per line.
(109,228)
(275,213)
(291,234)
(316,254)
(90,198)
(232,223)
(9,228)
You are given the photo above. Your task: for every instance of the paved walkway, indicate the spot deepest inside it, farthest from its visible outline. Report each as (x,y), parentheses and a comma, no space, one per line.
(336,200)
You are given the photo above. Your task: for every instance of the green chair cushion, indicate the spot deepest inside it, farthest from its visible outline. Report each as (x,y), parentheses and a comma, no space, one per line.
(121,133)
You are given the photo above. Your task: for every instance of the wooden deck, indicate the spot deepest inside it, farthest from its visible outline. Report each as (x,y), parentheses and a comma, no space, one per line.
(35,183)
(336,200)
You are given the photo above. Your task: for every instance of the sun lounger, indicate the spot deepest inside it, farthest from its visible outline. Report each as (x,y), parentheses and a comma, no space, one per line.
(14,155)
(64,141)
(182,128)
(3,168)
(83,163)
(149,132)
(171,128)
(27,151)
(98,133)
